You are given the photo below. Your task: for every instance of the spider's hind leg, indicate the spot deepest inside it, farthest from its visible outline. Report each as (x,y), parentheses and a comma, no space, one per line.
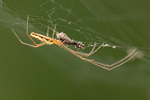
(27,31)
(35,46)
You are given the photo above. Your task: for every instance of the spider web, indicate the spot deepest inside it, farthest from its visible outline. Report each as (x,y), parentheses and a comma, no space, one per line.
(87,22)
(91,21)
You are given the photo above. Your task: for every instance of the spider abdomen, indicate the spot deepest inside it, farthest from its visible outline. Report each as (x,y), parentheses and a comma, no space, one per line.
(42,38)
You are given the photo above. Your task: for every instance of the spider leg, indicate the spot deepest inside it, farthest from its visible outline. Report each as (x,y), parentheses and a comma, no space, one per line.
(128,57)
(35,46)
(113,66)
(47,31)
(27,31)
(88,60)
(122,61)
(104,66)
(54,31)
(91,52)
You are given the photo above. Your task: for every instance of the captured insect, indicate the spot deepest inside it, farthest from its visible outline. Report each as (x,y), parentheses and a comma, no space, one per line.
(63,40)
(66,40)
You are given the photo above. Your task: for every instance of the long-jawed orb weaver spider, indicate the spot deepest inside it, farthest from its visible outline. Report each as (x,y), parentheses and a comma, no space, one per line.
(64,39)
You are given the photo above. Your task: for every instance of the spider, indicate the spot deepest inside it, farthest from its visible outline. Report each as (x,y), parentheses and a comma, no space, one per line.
(64,39)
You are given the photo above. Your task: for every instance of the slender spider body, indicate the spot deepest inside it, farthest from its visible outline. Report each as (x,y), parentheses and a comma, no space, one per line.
(42,38)
(64,39)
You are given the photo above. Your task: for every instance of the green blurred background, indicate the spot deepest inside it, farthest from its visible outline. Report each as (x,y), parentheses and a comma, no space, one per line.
(51,73)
